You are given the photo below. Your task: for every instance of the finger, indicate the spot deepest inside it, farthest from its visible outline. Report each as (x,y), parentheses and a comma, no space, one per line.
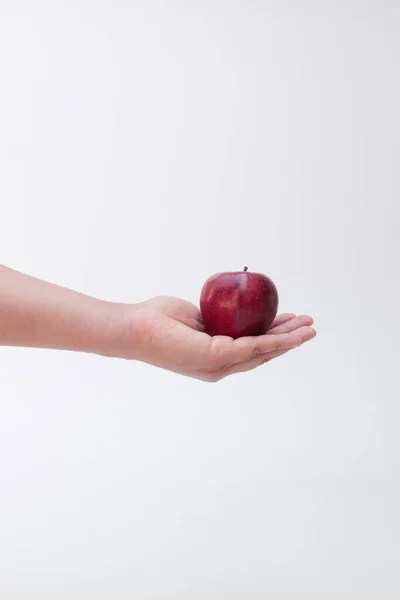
(280,319)
(253,363)
(246,348)
(195,323)
(292,324)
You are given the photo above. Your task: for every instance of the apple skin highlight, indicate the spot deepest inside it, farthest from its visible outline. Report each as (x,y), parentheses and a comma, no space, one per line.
(238,304)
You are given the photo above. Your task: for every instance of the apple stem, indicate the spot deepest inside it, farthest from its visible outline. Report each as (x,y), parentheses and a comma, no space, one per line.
(245,269)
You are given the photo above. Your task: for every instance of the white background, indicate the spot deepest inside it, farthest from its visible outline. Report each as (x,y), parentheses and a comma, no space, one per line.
(144,146)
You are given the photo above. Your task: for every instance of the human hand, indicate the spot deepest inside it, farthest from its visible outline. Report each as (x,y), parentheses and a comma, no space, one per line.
(165,332)
(168,333)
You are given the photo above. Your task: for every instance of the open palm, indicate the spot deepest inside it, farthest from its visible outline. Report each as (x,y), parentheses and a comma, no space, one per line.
(170,334)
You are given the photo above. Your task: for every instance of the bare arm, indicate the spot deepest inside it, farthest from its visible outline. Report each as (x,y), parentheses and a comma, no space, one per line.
(34,313)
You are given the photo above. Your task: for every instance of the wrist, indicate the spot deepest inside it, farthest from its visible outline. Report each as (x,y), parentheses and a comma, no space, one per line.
(124,331)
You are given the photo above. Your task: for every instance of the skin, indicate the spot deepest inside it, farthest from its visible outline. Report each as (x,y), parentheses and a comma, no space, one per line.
(165,332)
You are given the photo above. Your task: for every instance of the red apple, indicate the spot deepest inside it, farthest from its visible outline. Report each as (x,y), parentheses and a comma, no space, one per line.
(238,304)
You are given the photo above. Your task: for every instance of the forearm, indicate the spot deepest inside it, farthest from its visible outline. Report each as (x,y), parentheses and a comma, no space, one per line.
(34,313)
